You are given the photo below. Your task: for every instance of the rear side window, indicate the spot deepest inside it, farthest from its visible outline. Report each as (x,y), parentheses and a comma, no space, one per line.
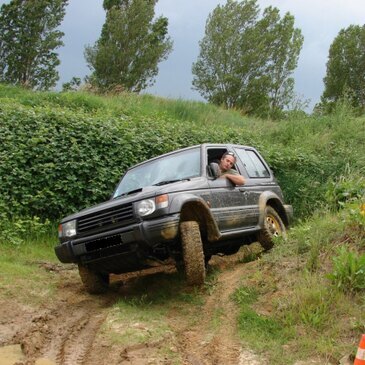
(253,164)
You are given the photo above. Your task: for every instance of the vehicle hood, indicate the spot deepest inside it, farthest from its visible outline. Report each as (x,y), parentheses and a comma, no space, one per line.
(146,193)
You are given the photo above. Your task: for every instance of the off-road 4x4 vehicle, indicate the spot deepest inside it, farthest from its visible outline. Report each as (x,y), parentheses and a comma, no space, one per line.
(174,207)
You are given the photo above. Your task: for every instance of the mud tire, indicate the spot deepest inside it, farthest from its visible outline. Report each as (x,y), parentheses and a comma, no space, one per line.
(94,283)
(273,226)
(193,255)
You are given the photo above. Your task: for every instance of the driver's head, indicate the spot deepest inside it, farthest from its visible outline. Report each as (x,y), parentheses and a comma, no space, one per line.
(227,161)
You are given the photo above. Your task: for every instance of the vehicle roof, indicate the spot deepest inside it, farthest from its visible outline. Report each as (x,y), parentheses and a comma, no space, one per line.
(202,145)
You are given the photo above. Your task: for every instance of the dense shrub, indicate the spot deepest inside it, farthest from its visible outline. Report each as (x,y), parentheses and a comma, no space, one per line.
(62,152)
(55,161)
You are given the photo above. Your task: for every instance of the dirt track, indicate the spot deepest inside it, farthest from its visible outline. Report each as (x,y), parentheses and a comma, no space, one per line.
(70,329)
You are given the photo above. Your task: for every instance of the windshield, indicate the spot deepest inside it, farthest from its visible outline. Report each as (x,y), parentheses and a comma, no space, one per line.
(178,166)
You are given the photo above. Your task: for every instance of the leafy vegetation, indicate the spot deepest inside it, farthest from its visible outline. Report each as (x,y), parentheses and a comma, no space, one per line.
(61,152)
(349,270)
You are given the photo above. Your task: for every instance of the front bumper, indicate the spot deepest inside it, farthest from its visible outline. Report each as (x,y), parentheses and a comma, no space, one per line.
(122,241)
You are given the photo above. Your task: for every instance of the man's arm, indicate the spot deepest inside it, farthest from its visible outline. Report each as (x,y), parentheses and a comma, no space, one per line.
(235,179)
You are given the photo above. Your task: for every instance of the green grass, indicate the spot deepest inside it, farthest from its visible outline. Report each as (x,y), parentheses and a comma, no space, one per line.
(307,294)
(22,275)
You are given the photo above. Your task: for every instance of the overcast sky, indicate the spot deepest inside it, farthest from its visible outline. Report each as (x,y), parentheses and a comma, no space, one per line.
(319,20)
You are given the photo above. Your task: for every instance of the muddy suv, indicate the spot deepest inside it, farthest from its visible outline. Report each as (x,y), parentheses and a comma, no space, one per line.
(174,207)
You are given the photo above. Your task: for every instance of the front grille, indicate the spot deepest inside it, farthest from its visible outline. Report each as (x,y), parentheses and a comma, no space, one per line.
(102,221)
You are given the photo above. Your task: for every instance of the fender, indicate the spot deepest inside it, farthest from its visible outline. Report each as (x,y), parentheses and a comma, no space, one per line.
(270,198)
(194,208)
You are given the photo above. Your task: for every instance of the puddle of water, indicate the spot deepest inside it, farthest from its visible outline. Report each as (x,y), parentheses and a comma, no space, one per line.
(9,355)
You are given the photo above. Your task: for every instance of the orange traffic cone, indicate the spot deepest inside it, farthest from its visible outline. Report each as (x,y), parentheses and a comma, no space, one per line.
(360,355)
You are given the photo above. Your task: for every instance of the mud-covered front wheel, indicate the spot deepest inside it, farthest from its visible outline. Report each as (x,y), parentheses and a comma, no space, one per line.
(273,227)
(94,283)
(193,254)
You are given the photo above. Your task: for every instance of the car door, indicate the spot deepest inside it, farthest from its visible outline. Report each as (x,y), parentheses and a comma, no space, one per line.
(227,201)
(259,179)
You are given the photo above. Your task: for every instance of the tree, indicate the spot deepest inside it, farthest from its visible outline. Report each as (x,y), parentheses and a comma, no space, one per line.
(246,62)
(283,45)
(345,76)
(130,46)
(73,85)
(28,40)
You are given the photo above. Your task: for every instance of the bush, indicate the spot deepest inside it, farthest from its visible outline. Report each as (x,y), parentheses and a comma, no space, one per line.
(56,161)
(61,152)
(345,189)
(348,273)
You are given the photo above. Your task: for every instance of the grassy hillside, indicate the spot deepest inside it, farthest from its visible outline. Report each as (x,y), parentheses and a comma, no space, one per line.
(60,152)
(64,151)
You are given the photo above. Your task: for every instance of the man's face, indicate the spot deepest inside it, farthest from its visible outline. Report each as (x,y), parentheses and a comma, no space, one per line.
(226,162)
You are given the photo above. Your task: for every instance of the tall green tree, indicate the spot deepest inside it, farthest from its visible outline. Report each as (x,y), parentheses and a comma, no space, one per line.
(246,61)
(345,76)
(131,45)
(28,41)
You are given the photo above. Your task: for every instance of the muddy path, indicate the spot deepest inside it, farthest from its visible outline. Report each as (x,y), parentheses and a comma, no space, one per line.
(213,338)
(71,328)
(61,330)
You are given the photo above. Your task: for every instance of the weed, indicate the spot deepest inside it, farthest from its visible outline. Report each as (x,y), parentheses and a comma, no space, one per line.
(259,326)
(348,272)
(17,231)
(245,295)
(347,188)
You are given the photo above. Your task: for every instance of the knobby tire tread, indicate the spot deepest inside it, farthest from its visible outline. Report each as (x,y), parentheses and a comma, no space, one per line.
(193,253)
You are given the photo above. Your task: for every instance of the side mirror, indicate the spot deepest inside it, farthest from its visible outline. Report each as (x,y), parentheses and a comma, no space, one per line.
(214,169)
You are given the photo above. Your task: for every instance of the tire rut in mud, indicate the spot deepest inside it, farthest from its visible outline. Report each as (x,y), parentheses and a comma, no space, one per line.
(205,343)
(74,343)
(201,344)
(65,332)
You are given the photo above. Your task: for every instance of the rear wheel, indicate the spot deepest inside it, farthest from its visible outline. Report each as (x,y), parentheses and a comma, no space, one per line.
(193,255)
(94,283)
(273,227)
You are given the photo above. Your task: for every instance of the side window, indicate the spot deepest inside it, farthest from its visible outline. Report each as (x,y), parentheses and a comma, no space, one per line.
(253,164)
(215,154)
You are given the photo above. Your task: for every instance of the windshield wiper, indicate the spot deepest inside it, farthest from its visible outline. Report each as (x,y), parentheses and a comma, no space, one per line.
(128,193)
(165,182)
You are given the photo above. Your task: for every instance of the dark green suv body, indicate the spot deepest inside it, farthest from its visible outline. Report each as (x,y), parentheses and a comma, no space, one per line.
(173,207)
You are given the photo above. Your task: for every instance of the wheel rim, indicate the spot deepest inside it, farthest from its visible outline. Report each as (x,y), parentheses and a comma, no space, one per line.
(273,225)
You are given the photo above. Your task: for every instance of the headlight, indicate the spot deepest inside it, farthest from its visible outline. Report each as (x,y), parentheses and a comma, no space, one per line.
(148,206)
(67,229)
